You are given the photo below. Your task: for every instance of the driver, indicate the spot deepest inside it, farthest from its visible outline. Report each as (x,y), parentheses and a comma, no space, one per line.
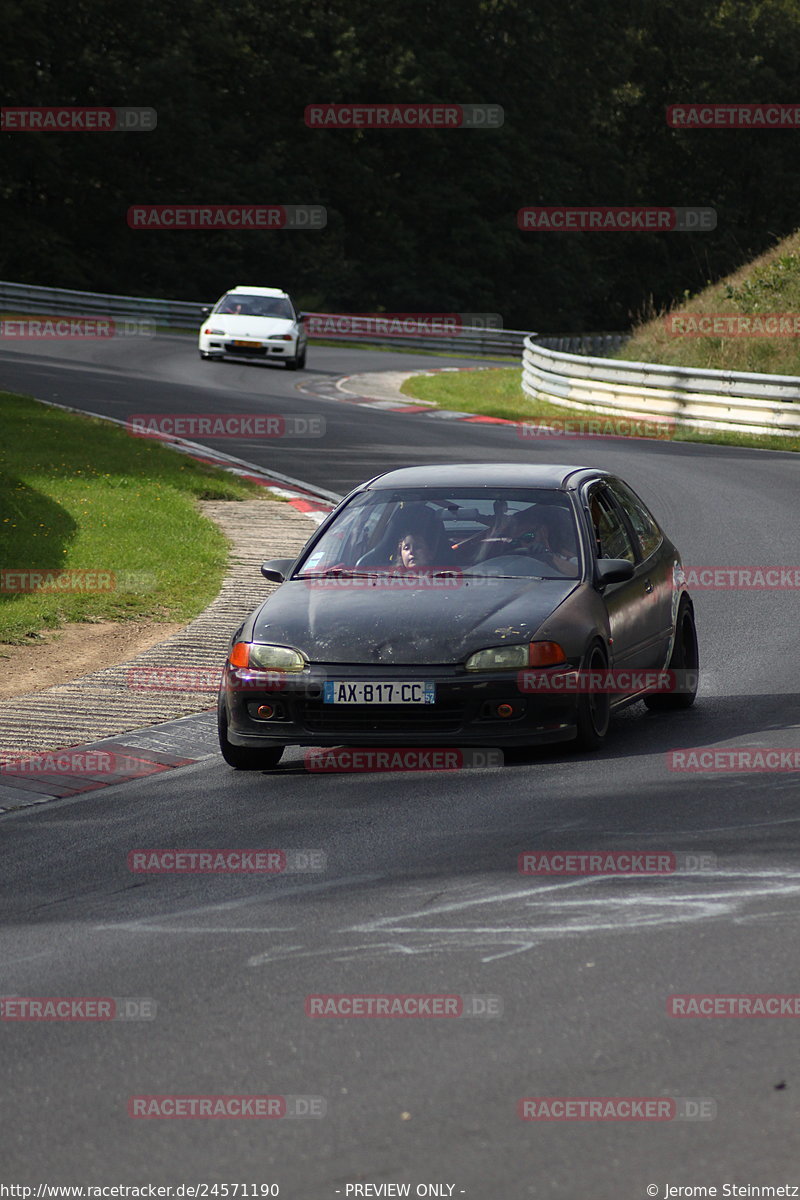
(542,531)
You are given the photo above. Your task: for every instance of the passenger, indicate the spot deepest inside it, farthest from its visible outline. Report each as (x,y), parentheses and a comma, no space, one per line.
(414,550)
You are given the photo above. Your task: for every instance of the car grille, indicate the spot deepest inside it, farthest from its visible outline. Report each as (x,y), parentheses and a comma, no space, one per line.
(372,718)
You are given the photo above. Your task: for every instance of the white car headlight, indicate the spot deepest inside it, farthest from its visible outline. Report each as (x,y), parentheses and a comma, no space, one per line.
(275,658)
(499,658)
(216,332)
(280,337)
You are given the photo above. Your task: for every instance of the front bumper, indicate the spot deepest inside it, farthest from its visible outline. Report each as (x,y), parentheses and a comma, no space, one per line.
(464,713)
(221,346)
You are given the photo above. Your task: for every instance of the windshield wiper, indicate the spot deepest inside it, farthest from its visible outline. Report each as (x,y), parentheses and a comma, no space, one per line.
(338,573)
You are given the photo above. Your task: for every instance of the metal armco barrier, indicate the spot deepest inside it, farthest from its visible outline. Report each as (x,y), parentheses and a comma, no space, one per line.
(472,341)
(700,398)
(28,298)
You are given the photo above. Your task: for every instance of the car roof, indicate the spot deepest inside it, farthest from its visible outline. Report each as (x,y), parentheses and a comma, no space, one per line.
(490,475)
(256,291)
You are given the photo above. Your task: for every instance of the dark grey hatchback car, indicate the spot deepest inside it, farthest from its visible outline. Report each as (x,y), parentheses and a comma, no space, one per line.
(472,605)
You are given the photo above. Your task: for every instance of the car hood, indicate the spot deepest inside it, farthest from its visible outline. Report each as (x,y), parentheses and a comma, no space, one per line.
(244,326)
(364,621)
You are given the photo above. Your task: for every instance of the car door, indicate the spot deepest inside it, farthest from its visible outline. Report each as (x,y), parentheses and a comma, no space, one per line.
(651,546)
(629,604)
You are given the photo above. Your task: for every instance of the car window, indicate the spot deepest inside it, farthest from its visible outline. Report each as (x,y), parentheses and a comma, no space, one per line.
(458,529)
(647,532)
(243,304)
(611,536)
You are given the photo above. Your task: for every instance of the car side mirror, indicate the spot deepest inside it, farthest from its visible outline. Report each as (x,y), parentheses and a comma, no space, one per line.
(613,570)
(276,570)
(300,318)
(205,310)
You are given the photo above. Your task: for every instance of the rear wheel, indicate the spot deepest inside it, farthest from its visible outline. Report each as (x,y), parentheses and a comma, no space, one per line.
(685,658)
(594,708)
(243,758)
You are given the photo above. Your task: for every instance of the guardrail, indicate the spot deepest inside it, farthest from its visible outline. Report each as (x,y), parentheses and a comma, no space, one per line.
(561,370)
(29,298)
(699,398)
(471,340)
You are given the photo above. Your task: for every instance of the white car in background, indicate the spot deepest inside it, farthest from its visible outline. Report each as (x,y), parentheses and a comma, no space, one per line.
(254,323)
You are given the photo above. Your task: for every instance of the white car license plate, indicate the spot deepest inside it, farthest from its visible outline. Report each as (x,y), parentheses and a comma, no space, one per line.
(338,691)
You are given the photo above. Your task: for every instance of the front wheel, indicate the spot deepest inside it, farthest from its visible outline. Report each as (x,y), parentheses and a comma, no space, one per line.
(685,658)
(594,708)
(243,758)
(297,363)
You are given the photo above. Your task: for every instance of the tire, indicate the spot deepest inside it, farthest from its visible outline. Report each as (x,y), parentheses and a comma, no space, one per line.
(297,363)
(594,709)
(243,758)
(210,357)
(685,657)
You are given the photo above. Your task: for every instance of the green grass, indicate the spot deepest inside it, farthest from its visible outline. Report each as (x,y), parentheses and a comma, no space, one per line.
(498,393)
(81,494)
(769,284)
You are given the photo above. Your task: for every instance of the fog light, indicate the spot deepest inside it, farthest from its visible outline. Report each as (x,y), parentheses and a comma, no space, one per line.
(265,711)
(505,710)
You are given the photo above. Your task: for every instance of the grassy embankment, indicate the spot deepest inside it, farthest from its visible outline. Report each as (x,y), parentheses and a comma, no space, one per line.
(81,494)
(768,285)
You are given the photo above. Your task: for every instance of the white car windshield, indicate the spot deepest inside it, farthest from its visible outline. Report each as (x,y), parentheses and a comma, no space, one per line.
(479,531)
(245,305)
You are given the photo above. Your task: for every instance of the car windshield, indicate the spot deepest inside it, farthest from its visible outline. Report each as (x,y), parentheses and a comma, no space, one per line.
(244,305)
(501,532)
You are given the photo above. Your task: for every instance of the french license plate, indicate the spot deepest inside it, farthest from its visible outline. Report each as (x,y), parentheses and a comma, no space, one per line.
(337,691)
(254,345)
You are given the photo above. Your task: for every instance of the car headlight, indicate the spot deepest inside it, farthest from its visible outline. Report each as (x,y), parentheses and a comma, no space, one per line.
(262,656)
(280,337)
(499,658)
(216,332)
(514,658)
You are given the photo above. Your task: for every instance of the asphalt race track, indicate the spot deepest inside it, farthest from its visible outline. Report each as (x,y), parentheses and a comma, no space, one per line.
(421,893)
